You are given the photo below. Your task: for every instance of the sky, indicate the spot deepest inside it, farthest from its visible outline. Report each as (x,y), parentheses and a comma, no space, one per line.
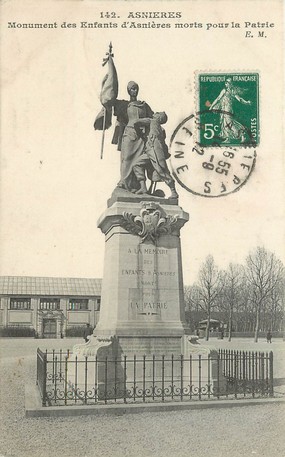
(54,186)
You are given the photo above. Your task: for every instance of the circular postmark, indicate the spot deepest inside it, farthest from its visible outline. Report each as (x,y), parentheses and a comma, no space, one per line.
(209,171)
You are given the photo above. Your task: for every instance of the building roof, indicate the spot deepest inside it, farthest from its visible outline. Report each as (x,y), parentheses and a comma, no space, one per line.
(31,285)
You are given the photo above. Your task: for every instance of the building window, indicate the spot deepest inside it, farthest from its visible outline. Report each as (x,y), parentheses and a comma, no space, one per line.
(76,304)
(50,303)
(20,303)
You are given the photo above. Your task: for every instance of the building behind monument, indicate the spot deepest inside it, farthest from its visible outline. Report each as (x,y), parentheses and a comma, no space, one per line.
(48,307)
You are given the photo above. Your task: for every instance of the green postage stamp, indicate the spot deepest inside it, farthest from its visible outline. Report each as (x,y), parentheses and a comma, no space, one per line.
(213,151)
(228,109)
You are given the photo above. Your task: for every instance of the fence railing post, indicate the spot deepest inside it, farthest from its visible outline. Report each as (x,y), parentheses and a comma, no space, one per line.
(44,399)
(218,376)
(209,373)
(144,378)
(199,376)
(271,390)
(86,379)
(65,380)
(125,379)
(153,376)
(191,375)
(181,377)
(261,375)
(134,376)
(115,380)
(55,379)
(162,378)
(244,372)
(236,373)
(172,376)
(37,380)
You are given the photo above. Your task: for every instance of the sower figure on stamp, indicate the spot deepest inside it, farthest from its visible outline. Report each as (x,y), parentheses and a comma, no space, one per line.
(153,159)
(230,128)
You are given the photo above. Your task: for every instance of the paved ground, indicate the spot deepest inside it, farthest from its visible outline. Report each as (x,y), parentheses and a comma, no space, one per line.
(235,432)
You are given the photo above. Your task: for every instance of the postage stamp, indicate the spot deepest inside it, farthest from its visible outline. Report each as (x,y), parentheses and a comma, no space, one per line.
(228,109)
(208,171)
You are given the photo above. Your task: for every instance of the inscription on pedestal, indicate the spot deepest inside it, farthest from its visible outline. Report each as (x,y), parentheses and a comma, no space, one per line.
(147,265)
(149,297)
(151,346)
(145,303)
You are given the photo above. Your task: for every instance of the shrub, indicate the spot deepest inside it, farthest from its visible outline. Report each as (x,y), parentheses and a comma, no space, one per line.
(17,331)
(76,331)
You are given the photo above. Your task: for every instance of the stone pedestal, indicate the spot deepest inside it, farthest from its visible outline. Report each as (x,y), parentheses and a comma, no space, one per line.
(142,301)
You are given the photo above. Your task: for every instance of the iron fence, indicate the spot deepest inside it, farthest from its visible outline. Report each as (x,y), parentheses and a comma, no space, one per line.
(66,379)
(248,371)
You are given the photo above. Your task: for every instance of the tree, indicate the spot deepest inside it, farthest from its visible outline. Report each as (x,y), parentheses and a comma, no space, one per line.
(210,285)
(246,308)
(233,278)
(275,307)
(191,299)
(264,273)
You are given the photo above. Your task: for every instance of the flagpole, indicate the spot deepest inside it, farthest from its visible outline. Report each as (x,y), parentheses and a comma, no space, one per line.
(108,54)
(103,134)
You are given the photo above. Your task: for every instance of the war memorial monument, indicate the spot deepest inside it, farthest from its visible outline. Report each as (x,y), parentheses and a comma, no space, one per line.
(142,349)
(142,313)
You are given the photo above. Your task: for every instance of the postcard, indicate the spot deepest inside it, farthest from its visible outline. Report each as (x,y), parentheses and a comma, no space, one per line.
(168,102)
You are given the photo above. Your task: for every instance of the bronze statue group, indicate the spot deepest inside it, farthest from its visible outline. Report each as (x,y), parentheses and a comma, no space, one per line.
(138,134)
